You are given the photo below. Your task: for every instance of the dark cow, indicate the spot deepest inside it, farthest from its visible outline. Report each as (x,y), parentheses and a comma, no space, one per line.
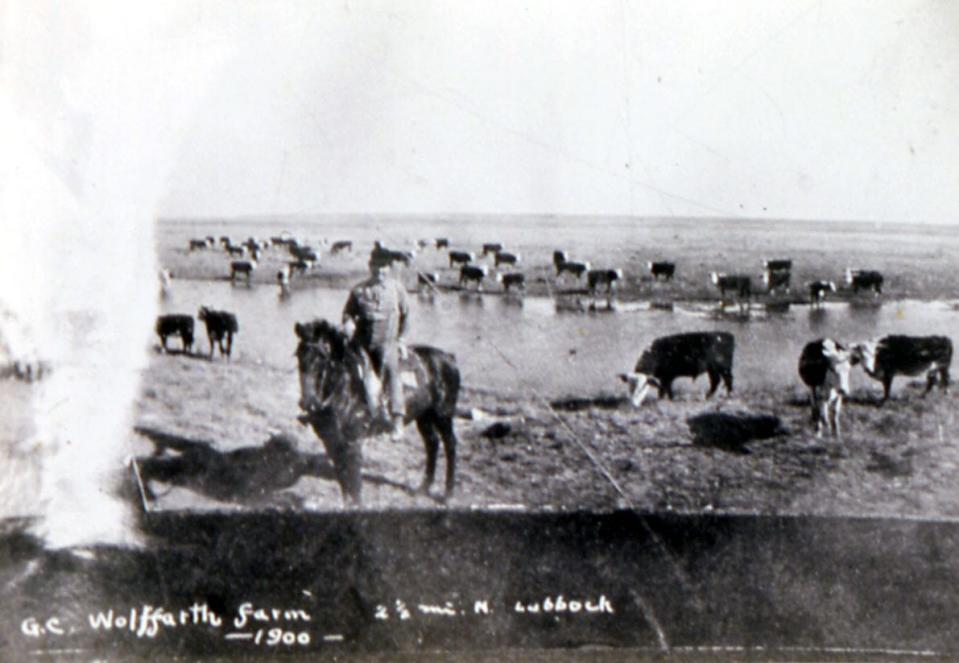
(777,265)
(427,280)
(907,355)
(176,324)
(220,326)
(559,259)
(577,269)
(341,245)
(682,355)
(299,266)
(665,269)
(818,290)
(244,267)
(474,273)
(461,257)
(824,366)
(441,243)
(505,258)
(200,244)
(402,257)
(234,250)
(607,277)
(739,284)
(777,279)
(863,279)
(492,247)
(512,280)
(304,253)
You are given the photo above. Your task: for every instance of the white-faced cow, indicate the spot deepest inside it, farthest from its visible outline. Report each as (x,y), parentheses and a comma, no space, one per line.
(682,355)
(864,279)
(242,267)
(603,277)
(824,366)
(220,327)
(461,257)
(506,258)
(777,274)
(474,274)
(663,269)
(559,259)
(818,290)
(176,324)
(907,355)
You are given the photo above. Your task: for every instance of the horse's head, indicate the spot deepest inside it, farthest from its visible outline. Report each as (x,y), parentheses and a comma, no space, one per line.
(322,345)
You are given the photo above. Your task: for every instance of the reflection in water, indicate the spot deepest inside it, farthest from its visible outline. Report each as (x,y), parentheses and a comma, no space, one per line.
(818,317)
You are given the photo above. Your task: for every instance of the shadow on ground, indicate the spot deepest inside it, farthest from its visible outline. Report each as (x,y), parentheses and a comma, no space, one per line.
(733,431)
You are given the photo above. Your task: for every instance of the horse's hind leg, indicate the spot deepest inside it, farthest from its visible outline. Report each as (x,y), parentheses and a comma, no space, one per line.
(445,425)
(427,427)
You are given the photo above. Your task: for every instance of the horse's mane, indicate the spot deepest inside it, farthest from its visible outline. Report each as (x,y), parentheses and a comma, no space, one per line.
(321,330)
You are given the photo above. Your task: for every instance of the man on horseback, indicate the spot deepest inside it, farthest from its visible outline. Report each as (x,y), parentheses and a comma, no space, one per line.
(378,309)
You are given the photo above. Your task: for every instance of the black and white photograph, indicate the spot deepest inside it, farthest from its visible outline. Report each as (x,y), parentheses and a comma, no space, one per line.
(515,329)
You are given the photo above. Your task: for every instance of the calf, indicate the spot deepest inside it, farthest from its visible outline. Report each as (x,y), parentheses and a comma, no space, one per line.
(461,257)
(740,285)
(907,355)
(474,273)
(682,355)
(505,258)
(512,280)
(220,325)
(245,267)
(577,269)
(341,245)
(818,290)
(492,247)
(664,269)
(559,259)
(863,279)
(441,243)
(824,366)
(607,277)
(176,324)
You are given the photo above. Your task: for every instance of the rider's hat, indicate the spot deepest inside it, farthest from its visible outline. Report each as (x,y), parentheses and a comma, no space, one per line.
(379,257)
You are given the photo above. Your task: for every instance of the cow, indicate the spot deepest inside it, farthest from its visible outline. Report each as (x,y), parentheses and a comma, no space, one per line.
(176,324)
(907,355)
(864,279)
(427,280)
(506,258)
(512,280)
(245,267)
(403,257)
(818,290)
(441,243)
(607,277)
(665,269)
(304,253)
(234,250)
(824,367)
(283,276)
(682,355)
(559,259)
(777,279)
(199,244)
(777,265)
(299,266)
(220,325)
(492,247)
(740,284)
(474,273)
(341,245)
(461,257)
(577,269)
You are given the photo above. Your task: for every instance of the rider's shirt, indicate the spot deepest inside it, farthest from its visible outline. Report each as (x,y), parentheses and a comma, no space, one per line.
(380,310)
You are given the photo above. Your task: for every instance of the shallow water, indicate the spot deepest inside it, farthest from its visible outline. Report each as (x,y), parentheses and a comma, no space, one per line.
(517,347)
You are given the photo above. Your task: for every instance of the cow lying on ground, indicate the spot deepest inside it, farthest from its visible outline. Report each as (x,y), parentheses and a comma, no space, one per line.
(907,355)
(665,269)
(682,355)
(474,273)
(220,326)
(863,279)
(824,366)
(603,277)
(176,324)
(818,290)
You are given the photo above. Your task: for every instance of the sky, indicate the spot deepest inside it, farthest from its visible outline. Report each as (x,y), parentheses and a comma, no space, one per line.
(812,110)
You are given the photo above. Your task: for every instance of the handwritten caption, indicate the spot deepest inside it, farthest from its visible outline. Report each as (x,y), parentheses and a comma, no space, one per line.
(559,604)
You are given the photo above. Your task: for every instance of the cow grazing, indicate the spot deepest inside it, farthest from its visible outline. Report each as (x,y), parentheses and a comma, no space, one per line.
(461,257)
(577,269)
(506,258)
(512,280)
(603,277)
(492,248)
(176,324)
(682,355)
(441,243)
(474,273)
(341,245)
(662,269)
(907,355)
(220,326)
(559,259)
(739,284)
(824,366)
(818,290)
(244,267)
(864,279)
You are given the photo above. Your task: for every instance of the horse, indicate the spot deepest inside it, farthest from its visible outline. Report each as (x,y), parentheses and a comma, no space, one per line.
(339,400)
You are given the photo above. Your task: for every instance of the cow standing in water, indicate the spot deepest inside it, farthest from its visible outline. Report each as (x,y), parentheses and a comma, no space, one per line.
(220,327)
(824,366)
